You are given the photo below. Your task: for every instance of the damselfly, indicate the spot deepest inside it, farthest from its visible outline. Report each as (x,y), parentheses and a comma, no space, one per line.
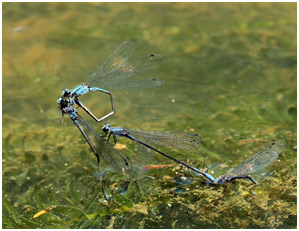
(176,140)
(100,147)
(115,69)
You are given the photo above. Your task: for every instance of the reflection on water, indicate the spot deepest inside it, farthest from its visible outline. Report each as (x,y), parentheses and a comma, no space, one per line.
(230,76)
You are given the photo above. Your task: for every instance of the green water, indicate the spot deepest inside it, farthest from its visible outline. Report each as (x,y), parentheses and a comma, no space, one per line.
(230,72)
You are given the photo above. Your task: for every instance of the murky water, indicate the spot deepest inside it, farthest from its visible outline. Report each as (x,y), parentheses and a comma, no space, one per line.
(230,72)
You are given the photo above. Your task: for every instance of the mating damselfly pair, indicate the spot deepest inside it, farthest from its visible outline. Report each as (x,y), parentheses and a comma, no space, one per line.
(111,75)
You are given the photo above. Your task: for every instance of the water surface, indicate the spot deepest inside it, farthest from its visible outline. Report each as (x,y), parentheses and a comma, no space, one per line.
(230,72)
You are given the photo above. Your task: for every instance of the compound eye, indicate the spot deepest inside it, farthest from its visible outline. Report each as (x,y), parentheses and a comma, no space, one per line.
(65,93)
(106,128)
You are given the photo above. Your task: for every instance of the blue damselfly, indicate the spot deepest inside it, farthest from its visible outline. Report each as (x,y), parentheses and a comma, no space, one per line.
(115,69)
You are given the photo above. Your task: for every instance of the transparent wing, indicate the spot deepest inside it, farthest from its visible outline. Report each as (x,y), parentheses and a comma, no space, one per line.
(113,158)
(124,71)
(176,140)
(115,61)
(140,158)
(138,84)
(146,63)
(260,160)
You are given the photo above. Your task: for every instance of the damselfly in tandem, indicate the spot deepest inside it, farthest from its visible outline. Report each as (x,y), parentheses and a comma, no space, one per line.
(254,164)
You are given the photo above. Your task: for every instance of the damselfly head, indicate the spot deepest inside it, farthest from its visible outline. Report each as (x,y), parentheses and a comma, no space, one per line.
(106,128)
(62,102)
(65,93)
